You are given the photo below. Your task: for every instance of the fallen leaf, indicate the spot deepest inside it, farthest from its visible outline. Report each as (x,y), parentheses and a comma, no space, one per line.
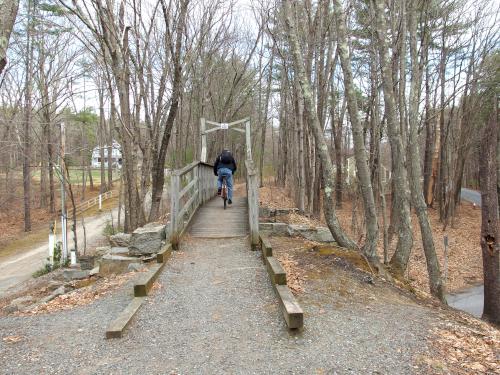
(12,339)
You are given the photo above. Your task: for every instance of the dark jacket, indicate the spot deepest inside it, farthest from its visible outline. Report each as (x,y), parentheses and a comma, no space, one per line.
(225,160)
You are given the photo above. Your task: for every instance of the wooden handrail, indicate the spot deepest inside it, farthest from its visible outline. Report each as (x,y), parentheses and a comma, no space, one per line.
(200,187)
(186,169)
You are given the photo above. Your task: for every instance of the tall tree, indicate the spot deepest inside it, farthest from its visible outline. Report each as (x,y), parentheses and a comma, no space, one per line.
(159,154)
(328,171)
(365,183)
(27,119)
(401,190)
(435,280)
(8,14)
(490,224)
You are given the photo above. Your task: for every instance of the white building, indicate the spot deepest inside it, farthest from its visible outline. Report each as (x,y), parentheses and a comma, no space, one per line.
(116,156)
(352,171)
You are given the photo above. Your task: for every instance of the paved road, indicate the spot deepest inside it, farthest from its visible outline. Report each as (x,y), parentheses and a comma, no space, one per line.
(19,267)
(470,300)
(472,196)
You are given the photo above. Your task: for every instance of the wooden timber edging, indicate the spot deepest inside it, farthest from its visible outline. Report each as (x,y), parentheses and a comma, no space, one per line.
(117,327)
(265,246)
(292,312)
(146,280)
(141,289)
(164,254)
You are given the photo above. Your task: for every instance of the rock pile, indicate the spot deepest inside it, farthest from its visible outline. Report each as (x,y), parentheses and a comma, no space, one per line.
(128,252)
(125,253)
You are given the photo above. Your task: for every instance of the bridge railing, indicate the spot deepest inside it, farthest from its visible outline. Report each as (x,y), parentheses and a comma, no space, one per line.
(191,186)
(253,201)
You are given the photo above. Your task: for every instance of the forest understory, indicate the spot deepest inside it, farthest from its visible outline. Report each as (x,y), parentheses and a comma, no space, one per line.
(464,250)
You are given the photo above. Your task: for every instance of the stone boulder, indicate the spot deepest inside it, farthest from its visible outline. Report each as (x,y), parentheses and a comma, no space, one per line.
(123,251)
(300,230)
(321,234)
(275,228)
(120,240)
(87,262)
(56,293)
(147,240)
(75,274)
(265,211)
(285,211)
(19,304)
(136,267)
(115,264)
(100,251)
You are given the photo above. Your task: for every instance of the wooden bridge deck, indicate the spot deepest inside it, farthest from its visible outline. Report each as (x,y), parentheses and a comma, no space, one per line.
(212,221)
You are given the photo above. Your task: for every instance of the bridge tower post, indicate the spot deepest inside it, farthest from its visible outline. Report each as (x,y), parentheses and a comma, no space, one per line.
(203,134)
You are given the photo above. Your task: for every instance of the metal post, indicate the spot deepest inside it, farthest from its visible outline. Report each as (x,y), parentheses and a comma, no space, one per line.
(100,202)
(64,229)
(203,157)
(64,235)
(52,242)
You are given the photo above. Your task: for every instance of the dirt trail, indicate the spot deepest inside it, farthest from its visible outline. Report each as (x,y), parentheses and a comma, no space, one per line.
(19,267)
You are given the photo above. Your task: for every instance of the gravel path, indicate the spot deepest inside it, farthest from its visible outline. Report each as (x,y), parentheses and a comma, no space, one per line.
(216,313)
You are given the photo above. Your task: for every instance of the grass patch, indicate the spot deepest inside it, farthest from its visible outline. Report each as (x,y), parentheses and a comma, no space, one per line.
(351,256)
(42,271)
(76,175)
(110,229)
(26,240)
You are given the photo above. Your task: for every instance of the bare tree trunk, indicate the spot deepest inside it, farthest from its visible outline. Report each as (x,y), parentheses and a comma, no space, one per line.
(27,126)
(498,170)
(301,191)
(436,283)
(441,180)
(52,189)
(266,110)
(8,14)
(370,247)
(110,127)
(490,233)
(399,260)
(328,177)
(102,139)
(158,172)
(43,170)
(337,132)
(91,179)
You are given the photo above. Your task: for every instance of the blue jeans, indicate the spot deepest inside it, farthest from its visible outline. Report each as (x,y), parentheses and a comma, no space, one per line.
(226,172)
